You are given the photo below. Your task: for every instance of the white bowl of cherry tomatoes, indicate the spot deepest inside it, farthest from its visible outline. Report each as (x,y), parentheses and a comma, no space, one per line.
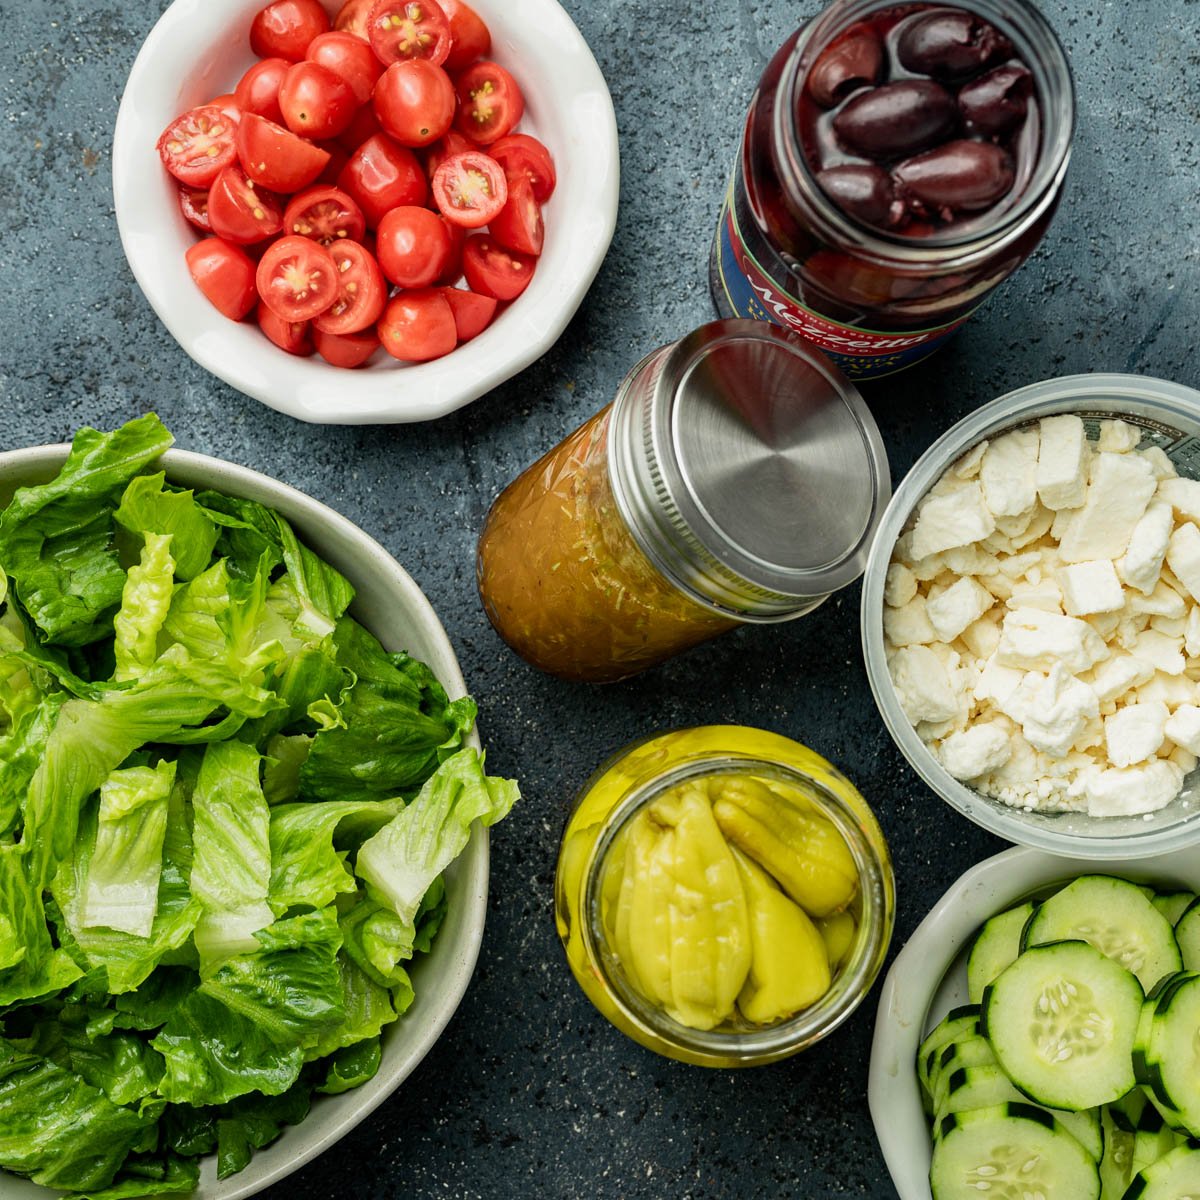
(421,190)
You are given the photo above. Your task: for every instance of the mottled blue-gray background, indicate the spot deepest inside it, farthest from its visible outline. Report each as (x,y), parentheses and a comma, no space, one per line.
(530,1093)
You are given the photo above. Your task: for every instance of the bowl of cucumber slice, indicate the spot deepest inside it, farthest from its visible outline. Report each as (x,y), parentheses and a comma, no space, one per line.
(1039,1035)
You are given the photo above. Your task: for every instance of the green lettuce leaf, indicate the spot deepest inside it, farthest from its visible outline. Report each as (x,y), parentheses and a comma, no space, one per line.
(252,1122)
(352,1066)
(140,1176)
(145,601)
(367,1006)
(120,1064)
(57,539)
(149,506)
(281,767)
(377,940)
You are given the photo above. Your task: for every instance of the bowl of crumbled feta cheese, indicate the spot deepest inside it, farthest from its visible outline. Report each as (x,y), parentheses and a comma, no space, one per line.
(1031,616)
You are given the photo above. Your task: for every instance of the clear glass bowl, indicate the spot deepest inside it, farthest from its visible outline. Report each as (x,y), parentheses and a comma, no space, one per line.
(1169,415)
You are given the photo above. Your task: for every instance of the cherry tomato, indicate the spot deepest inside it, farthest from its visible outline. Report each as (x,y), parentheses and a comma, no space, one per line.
(470,189)
(445,147)
(489,102)
(258,90)
(415,101)
(520,154)
(346,349)
(364,125)
(197,146)
(315,101)
(193,203)
(409,29)
(225,274)
(458,235)
(293,336)
(227,103)
(353,17)
(415,247)
(276,158)
(326,215)
(518,225)
(285,28)
(495,271)
(361,292)
(418,325)
(469,36)
(240,211)
(297,279)
(381,175)
(473,313)
(350,57)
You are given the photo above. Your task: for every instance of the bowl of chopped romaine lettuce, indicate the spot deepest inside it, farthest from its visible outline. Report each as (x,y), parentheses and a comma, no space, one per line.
(243,811)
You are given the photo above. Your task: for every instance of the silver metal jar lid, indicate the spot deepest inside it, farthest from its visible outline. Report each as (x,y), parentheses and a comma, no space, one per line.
(748,469)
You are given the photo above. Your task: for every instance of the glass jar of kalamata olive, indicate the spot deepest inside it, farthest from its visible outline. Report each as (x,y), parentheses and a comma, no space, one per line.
(899,161)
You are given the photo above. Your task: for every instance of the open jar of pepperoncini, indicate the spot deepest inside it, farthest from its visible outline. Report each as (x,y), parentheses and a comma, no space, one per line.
(724,895)
(737,478)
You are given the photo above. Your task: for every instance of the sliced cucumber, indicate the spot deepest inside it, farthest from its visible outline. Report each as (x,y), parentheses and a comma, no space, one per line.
(1187,934)
(996,945)
(1013,1150)
(1172,905)
(1172,1060)
(958,1023)
(958,1056)
(1127,1111)
(1061,1021)
(1114,916)
(1175,1176)
(1116,1167)
(974,1087)
(1153,1140)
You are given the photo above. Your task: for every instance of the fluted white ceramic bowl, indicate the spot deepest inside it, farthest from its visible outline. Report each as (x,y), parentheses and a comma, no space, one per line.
(200,48)
(392,607)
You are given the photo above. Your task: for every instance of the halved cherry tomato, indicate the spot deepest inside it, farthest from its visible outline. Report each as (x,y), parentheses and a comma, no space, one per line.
(346,349)
(409,29)
(197,146)
(225,274)
(275,157)
(240,211)
(518,225)
(495,271)
(489,102)
(350,57)
(470,189)
(286,27)
(520,154)
(418,325)
(473,313)
(258,90)
(415,247)
(297,278)
(325,214)
(445,147)
(193,203)
(361,292)
(415,101)
(364,125)
(353,17)
(381,175)
(469,36)
(315,101)
(458,235)
(293,336)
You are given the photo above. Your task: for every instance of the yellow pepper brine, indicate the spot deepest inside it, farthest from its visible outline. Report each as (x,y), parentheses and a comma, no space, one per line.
(724,895)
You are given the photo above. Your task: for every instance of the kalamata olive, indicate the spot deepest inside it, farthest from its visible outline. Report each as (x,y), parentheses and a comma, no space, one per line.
(854,60)
(864,191)
(996,102)
(897,119)
(960,176)
(950,44)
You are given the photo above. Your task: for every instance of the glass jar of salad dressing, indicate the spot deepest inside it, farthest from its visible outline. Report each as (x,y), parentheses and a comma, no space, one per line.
(899,161)
(724,895)
(736,478)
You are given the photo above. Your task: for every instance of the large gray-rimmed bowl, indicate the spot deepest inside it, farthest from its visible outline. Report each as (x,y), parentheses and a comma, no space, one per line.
(393,608)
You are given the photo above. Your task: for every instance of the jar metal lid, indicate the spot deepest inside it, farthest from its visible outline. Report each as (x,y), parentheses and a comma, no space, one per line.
(749,469)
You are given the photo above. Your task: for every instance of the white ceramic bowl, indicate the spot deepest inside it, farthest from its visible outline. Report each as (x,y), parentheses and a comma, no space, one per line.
(200,48)
(1169,416)
(391,605)
(929,978)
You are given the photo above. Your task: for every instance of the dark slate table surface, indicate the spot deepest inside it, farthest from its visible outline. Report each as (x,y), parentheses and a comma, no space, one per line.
(529,1092)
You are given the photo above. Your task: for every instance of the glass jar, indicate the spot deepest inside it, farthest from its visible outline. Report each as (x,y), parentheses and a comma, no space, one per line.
(736,478)
(877,301)
(634,779)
